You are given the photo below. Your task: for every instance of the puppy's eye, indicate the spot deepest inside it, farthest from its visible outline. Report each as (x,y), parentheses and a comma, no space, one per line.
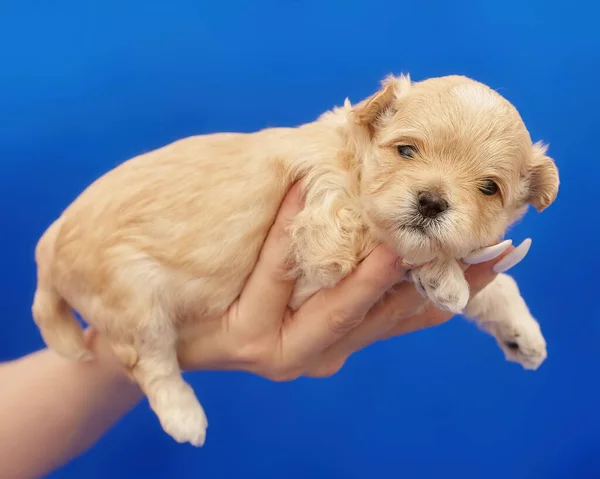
(489,188)
(406,151)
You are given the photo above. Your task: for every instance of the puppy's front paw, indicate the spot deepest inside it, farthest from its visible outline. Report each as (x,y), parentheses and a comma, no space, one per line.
(444,285)
(522,342)
(450,297)
(500,310)
(183,418)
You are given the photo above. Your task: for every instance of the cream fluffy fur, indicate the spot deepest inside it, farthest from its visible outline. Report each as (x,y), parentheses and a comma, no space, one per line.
(171,236)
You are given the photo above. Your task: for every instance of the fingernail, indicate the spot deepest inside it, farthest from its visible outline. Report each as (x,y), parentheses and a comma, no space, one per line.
(513,258)
(487,254)
(402,265)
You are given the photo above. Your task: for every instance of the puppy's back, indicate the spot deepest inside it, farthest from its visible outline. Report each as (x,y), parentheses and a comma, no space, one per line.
(190,216)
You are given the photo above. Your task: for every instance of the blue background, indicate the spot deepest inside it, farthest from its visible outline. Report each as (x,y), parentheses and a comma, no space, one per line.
(85,85)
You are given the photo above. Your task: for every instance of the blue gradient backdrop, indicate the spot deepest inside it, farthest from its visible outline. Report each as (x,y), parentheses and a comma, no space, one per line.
(85,85)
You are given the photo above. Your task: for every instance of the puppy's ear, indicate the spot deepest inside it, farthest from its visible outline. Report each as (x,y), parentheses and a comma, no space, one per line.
(543,178)
(392,89)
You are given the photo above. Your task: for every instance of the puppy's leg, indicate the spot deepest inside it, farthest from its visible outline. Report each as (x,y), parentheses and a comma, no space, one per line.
(305,288)
(52,314)
(156,369)
(326,242)
(500,310)
(443,283)
(58,326)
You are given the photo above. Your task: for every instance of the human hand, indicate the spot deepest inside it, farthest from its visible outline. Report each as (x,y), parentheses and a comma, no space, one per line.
(260,334)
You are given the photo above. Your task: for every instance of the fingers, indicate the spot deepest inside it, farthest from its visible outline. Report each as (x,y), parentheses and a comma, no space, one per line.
(429,318)
(396,316)
(253,322)
(330,314)
(355,295)
(402,301)
(267,292)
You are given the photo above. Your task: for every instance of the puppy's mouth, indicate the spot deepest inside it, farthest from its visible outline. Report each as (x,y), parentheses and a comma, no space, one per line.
(426,229)
(417,242)
(415,228)
(421,225)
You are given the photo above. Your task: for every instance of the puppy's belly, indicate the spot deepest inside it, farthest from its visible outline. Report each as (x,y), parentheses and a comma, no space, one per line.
(203,279)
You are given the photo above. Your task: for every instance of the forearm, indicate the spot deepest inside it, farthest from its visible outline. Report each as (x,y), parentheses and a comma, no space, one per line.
(52,409)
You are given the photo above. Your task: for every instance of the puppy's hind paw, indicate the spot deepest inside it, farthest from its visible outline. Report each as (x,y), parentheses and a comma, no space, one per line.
(186,426)
(184,420)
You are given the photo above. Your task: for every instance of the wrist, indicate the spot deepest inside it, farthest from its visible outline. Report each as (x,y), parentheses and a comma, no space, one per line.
(110,369)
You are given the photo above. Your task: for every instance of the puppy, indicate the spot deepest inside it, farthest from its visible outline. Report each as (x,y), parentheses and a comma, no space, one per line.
(436,169)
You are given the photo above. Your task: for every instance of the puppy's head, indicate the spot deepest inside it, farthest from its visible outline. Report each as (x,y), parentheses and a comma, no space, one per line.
(448,165)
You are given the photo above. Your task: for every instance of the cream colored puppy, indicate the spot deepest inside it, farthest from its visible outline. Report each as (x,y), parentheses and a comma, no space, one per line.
(437,169)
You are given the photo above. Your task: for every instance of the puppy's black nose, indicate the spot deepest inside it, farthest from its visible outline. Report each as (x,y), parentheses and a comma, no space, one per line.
(431,205)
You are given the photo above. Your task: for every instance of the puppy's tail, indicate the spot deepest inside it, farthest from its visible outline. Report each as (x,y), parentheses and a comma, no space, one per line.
(53,316)
(58,325)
